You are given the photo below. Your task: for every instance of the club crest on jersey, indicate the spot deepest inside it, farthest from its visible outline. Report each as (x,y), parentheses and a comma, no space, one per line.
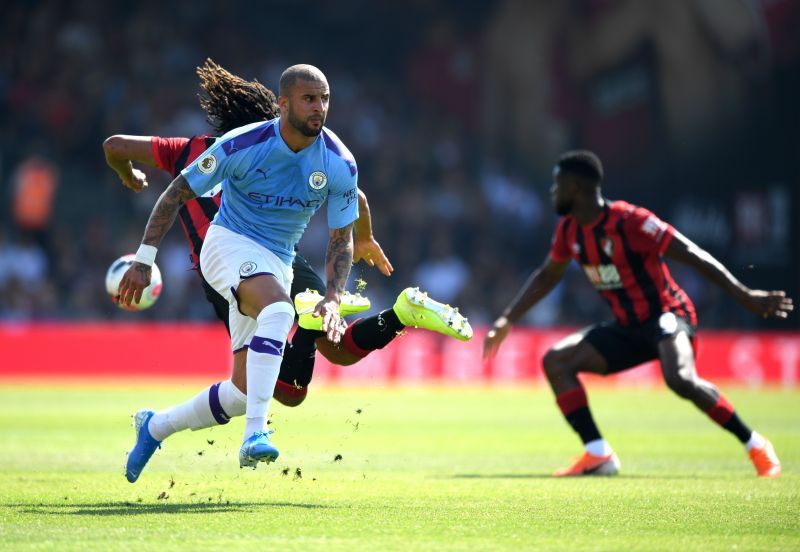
(608,245)
(207,164)
(317,180)
(247,269)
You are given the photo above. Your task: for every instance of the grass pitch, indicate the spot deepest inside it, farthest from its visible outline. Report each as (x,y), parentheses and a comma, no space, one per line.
(394,469)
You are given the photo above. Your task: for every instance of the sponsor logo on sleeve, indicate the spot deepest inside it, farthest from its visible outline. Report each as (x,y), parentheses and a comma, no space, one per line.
(654,227)
(350,196)
(317,180)
(207,164)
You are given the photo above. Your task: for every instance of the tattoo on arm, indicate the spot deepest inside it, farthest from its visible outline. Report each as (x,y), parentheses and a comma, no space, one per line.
(166,209)
(339,258)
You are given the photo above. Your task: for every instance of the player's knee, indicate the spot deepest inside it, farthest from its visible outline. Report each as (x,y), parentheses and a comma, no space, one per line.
(278,317)
(556,362)
(288,394)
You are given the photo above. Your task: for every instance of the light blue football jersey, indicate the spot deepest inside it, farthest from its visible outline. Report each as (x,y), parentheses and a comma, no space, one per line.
(269,191)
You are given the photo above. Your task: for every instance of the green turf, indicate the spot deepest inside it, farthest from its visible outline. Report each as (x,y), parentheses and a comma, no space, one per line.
(424,469)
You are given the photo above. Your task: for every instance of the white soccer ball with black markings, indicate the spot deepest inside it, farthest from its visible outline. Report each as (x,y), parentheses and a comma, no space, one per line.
(150,293)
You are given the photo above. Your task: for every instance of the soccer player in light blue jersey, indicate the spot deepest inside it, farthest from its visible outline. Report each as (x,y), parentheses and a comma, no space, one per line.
(275,175)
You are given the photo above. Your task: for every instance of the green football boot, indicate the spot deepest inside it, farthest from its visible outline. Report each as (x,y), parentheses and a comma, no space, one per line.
(306,301)
(415,309)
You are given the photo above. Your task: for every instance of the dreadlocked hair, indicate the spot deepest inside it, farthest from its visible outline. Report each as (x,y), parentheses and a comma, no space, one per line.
(230,101)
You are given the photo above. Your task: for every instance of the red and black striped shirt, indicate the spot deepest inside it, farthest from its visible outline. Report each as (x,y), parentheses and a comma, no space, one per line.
(172,155)
(622,255)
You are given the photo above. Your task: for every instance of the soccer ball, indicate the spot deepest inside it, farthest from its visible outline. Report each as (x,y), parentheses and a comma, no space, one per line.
(150,293)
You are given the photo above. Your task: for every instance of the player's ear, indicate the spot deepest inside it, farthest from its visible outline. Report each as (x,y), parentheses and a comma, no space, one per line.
(283,103)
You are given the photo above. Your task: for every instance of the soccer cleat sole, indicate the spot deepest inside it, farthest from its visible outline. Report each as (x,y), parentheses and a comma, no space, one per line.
(251,462)
(414,308)
(305,302)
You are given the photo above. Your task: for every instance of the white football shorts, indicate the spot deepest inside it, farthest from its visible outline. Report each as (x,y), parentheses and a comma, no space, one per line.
(226,259)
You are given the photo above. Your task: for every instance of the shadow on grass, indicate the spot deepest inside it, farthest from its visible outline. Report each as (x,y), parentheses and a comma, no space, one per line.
(139,508)
(658,476)
(498,476)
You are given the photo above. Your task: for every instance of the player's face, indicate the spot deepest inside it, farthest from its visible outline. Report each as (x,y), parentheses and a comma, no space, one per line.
(307,106)
(562,193)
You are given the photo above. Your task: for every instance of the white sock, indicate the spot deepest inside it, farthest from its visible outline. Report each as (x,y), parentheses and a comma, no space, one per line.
(598,447)
(264,362)
(756,441)
(214,405)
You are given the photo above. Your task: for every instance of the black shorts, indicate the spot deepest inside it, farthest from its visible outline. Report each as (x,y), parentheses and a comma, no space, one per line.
(624,347)
(304,278)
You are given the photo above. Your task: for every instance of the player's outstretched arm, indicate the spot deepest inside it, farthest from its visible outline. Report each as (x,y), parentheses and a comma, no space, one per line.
(763,303)
(539,284)
(365,245)
(161,218)
(338,260)
(120,150)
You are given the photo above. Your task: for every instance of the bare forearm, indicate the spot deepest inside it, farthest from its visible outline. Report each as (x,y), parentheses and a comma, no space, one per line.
(120,150)
(339,259)
(363,226)
(123,167)
(704,263)
(165,210)
(539,284)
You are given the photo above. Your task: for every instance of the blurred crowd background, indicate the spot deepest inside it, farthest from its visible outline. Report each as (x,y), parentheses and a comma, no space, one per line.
(455,111)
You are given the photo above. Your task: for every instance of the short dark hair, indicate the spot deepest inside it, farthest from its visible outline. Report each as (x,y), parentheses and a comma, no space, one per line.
(298,72)
(230,101)
(582,163)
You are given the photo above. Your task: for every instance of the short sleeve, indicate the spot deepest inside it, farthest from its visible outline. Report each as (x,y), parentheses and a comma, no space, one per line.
(216,165)
(166,151)
(343,198)
(648,233)
(559,249)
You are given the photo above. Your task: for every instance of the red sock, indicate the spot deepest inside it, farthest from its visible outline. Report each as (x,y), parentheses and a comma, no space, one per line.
(575,407)
(288,394)
(350,345)
(572,400)
(722,411)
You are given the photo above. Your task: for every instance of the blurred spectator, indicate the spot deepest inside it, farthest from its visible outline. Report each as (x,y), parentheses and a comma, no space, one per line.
(455,127)
(35,182)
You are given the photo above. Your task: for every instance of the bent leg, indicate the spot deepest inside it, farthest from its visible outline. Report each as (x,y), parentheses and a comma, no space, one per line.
(567,358)
(561,365)
(678,366)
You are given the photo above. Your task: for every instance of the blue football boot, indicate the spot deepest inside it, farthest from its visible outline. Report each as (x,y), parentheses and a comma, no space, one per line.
(143,449)
(257,448)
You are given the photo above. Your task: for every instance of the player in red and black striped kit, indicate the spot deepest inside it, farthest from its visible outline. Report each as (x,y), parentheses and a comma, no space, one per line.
(620,248)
